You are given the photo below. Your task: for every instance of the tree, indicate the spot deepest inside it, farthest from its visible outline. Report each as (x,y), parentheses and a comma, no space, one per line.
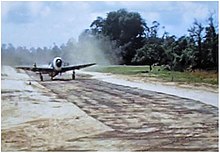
(125,28)
(196,32)
(55,51)
(211,45)
(97,26)
(184,54)
(148,54)
(153,30)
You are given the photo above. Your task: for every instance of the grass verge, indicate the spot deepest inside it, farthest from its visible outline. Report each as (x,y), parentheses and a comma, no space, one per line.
(208,77)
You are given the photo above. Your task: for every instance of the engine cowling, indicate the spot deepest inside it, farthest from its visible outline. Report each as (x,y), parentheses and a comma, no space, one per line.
(57,63)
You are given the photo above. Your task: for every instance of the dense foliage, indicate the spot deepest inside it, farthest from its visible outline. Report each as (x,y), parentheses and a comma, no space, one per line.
(141,44)
(124,38)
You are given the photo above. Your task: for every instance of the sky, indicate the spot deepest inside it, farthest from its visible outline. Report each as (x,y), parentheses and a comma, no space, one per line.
(43,23)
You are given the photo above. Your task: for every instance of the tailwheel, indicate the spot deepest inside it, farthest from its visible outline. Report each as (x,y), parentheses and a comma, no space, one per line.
(73,75)
(41,77)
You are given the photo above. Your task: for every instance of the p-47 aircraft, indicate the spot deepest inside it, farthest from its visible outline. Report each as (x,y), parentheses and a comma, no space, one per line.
(55,68)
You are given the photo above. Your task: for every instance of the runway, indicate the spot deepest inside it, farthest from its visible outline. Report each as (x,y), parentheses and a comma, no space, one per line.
(87,114)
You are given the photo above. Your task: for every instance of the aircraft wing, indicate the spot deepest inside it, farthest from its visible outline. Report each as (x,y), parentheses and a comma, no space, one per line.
(75,67)
(36,69)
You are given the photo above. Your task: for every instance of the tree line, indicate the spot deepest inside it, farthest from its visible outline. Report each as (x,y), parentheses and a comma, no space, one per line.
(140,44)
(125,38)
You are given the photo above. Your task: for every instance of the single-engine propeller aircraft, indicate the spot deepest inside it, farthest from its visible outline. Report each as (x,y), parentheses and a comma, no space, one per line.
(56,67)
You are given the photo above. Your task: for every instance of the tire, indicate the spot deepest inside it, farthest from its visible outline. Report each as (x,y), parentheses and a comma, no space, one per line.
(73,77)
(41,78)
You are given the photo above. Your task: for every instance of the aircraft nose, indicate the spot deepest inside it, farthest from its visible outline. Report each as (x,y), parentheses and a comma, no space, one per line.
(58,63)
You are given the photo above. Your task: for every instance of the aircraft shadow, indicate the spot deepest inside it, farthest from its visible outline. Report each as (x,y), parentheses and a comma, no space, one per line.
(63,79)
(60,79)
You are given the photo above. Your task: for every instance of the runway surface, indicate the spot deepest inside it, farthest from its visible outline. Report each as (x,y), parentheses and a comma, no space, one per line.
(92,115)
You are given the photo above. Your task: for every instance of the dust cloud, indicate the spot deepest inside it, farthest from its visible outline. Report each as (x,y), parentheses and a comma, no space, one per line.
(86,50)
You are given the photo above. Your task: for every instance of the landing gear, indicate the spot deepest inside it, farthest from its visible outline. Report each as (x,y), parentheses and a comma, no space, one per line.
(41,77)
(73,75)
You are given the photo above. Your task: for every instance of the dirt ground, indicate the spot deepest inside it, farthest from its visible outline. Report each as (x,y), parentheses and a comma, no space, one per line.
(196,86)
(91,115)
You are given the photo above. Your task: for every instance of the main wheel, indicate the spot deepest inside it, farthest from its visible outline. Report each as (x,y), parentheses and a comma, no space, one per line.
(73,75)
(41,77)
